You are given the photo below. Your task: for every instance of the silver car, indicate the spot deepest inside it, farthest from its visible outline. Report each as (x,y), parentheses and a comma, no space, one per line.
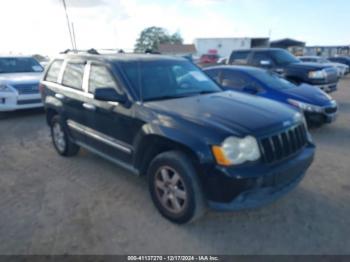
(19,83)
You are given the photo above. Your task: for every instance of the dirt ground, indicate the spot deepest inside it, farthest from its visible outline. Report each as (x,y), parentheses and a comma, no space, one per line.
(87,205)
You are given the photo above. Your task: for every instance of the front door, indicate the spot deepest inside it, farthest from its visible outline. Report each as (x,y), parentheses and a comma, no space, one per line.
(112,125)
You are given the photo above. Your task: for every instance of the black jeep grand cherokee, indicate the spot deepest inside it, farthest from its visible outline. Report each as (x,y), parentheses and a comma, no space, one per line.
(163,117)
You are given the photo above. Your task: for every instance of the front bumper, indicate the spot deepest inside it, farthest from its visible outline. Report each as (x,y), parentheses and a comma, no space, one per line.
(320,118)
(11,101)
(256,185)
(328,88)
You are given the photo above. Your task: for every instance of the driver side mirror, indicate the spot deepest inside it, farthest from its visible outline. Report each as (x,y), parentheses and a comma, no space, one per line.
(109,94)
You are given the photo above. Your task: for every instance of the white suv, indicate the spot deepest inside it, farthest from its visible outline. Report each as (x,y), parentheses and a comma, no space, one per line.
(19,83)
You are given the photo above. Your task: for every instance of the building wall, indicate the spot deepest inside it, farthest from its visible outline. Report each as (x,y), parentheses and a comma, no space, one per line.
(223,46)
(327,51)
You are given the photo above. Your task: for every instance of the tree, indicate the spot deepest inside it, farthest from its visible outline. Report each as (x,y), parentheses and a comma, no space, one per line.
(151,37)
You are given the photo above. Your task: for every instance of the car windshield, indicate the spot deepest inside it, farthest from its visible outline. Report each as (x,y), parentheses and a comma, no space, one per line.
(272,80)
(283,57)
(19,65)
(167,79)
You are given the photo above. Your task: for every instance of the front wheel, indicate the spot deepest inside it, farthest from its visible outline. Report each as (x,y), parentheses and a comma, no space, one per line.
(174,187)
(60,138)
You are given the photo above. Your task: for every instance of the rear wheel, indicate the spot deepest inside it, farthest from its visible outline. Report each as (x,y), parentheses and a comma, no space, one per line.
(60,138)
(174,187)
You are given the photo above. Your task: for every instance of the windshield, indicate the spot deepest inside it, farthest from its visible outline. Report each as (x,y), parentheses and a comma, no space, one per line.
(19,65)
(167,79)
(283,57)
(272,80)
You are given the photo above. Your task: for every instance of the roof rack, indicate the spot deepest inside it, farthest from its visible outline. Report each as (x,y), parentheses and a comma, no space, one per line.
(93,51)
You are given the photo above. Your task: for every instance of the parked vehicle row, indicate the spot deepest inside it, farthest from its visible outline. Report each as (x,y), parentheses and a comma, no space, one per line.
(228,138)
(284,63)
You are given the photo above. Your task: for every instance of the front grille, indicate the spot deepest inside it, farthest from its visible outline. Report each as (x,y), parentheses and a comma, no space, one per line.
(25,89)
(28,101)
(331,110)
(284,144)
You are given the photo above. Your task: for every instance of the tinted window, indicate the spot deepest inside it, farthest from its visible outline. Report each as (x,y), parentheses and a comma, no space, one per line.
(73,75)
(233,79)
(19,65)
(261,56)
(283,57)
(100,77)
(164,79)
(271,79)
(240,57)
(306,59)
(55,68)
(214,74)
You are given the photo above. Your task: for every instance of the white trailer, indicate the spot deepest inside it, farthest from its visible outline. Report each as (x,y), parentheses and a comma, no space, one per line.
(224,46)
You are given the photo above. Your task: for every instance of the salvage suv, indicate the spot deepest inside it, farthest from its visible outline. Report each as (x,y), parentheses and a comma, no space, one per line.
(284,63)
(164,118)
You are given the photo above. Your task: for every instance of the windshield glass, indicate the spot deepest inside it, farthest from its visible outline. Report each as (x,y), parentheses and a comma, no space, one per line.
(167,79)
(272,80)
(19,65)
(283,57)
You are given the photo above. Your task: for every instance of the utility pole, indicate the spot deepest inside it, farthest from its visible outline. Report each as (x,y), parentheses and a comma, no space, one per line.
(68,24)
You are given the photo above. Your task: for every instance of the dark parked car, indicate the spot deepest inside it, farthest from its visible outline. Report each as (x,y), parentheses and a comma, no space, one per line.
(317,106)
(284,63)
(164,118)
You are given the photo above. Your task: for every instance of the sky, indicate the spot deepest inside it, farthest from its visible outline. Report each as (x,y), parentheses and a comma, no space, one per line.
(39,26)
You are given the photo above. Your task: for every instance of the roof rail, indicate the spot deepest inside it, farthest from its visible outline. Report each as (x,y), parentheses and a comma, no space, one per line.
(93,51)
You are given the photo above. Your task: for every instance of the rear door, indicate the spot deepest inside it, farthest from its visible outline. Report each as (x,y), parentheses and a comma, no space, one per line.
(73,96)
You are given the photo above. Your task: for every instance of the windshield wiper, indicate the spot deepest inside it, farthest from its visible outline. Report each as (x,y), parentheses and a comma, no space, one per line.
(180,96)
(164,97)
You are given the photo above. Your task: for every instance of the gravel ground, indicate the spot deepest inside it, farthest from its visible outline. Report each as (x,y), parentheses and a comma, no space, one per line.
(86,205)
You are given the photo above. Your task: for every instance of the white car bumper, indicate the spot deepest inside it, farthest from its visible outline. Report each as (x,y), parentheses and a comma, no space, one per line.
(10,101)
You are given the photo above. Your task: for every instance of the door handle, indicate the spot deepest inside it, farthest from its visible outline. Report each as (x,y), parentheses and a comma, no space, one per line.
(89,107)
(59,96)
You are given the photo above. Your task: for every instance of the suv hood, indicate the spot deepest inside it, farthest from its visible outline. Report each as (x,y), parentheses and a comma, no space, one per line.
(308,66)
(229,111)
(19,78)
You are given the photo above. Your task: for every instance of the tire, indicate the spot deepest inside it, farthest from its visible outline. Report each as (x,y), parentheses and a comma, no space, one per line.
(181,186)
(61,141)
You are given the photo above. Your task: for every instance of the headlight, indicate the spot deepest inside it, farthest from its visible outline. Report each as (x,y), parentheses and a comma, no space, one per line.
(235,151)
(321,74)
(305,106)
(5,88)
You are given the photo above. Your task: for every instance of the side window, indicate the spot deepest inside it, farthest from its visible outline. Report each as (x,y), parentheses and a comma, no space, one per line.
(73,75)
(259,58)
(240,57)
(100,77)
(233,80)
(54,70)
(214,74)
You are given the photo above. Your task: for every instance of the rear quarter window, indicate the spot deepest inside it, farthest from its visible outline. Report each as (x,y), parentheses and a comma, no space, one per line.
(54,71)
(73,75)
(240,57)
